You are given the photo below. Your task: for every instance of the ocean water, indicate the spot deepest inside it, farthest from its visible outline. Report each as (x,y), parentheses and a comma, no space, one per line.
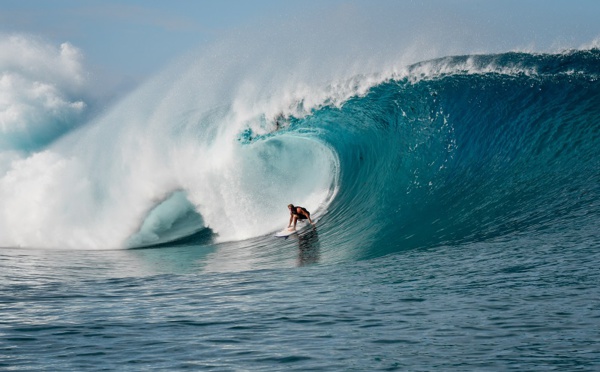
(457,203)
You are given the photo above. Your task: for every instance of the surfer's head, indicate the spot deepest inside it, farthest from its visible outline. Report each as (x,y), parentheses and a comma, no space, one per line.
(290,206)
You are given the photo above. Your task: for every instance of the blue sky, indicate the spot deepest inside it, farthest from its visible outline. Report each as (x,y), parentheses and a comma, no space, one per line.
(136,38)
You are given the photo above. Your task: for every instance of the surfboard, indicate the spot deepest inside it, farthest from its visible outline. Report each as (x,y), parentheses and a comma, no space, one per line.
(285,233)
(302,225)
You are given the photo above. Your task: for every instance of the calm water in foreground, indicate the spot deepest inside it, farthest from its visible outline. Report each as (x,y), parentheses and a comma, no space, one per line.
(519,303)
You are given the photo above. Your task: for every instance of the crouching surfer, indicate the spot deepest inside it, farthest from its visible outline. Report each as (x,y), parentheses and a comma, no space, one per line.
(298,213)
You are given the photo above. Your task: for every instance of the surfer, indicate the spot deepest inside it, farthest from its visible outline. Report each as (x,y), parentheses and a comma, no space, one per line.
(298,213)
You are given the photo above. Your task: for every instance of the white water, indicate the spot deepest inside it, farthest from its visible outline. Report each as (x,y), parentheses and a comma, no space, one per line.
(179,132)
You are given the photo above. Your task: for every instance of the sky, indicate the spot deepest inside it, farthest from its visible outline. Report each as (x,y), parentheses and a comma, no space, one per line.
(117,45)
(138,37)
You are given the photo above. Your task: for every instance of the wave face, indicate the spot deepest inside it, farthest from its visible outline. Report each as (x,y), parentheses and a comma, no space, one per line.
(469,148)
(447,151)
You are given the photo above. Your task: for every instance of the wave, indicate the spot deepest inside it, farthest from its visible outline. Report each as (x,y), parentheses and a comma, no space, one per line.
(445,151)
(476,148)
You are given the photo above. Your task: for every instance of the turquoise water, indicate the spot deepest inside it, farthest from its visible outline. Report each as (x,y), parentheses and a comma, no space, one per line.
(518,303)
(458,208)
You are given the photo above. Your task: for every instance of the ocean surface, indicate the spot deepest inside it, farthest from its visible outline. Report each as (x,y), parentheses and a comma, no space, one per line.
(457,203)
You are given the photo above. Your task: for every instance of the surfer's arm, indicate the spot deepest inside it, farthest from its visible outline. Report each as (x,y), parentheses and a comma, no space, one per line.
(290,223)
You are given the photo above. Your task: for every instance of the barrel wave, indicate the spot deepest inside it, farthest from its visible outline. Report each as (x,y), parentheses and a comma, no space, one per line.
(443,152)
(456,150)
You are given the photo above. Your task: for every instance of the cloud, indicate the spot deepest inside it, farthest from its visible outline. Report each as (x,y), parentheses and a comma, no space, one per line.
(41,89)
